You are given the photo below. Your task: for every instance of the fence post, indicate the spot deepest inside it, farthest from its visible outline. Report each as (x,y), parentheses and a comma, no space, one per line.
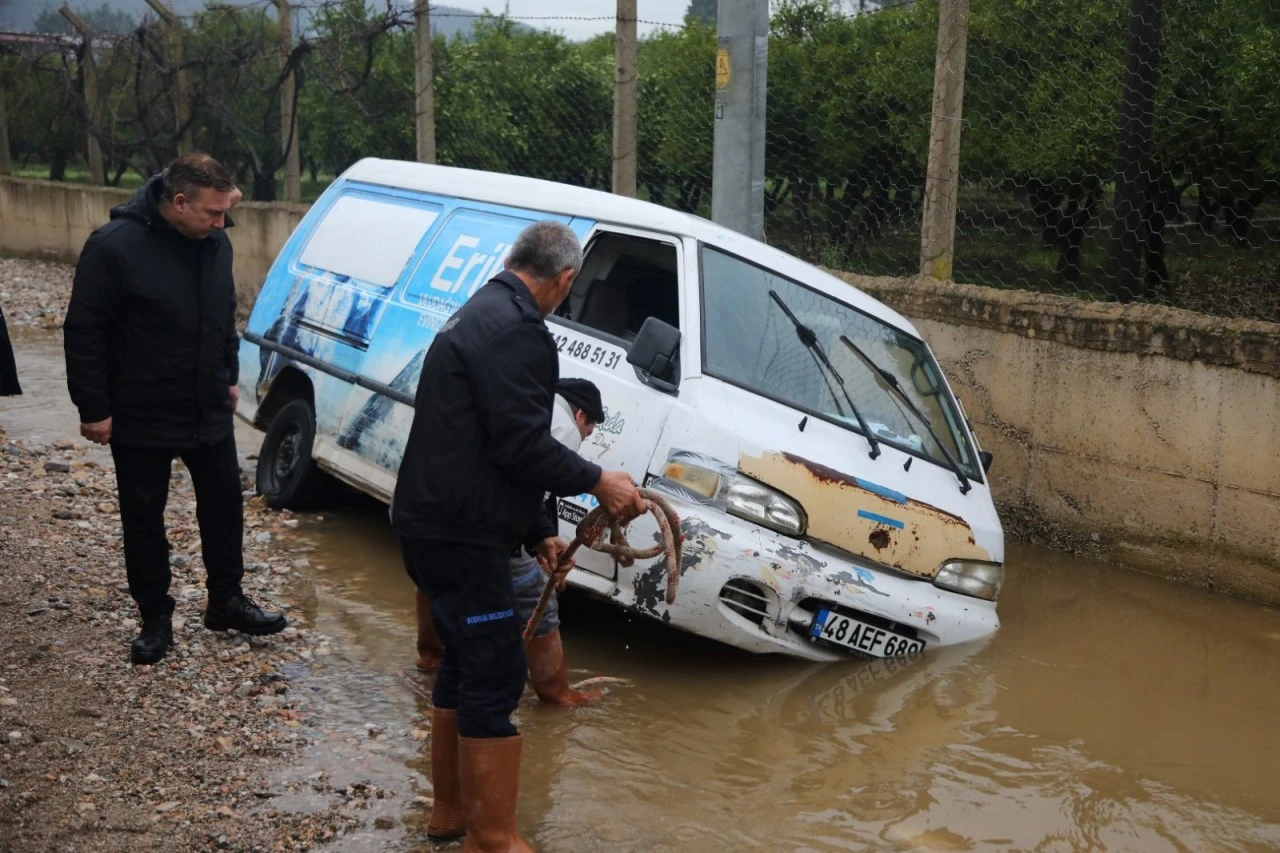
(89,69)
(624,100)
(942,181)
(288,106)
(6,165)
(181,106)
(1123,279)
(425,104)
(742,60)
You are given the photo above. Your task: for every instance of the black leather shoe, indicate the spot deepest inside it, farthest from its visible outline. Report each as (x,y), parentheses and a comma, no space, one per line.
(241,614)
(156,638)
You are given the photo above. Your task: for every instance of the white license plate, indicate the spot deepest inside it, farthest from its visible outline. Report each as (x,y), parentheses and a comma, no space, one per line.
(861,637)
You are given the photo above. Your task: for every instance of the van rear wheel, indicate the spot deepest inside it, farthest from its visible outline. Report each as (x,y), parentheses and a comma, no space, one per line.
(288,476)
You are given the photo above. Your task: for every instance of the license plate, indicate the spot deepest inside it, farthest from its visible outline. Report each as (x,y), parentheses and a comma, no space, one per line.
(862,638)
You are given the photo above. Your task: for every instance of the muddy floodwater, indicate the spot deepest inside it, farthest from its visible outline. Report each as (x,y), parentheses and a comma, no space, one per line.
(1112,711)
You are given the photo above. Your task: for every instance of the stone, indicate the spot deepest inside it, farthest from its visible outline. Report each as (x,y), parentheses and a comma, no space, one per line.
(164,808)
(56,467)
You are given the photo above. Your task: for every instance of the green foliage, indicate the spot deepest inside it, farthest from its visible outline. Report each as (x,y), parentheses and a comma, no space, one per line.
(702,11)
(104,20)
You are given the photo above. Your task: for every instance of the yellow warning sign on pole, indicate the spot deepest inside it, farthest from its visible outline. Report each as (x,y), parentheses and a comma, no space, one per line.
(723,68)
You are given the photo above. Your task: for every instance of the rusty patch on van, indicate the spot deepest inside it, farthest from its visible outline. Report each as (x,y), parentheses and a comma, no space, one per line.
(867,519)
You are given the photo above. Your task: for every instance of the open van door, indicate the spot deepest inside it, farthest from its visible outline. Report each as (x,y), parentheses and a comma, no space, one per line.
(628,277)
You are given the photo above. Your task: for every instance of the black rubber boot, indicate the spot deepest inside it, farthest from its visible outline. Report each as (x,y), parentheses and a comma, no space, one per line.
(241,614)
(154,640)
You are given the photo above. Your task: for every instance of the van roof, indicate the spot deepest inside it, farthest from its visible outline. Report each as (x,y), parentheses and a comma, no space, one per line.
(552,197)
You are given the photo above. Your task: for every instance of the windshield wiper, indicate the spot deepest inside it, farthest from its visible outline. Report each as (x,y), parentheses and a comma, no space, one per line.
(810,341)
(889,383)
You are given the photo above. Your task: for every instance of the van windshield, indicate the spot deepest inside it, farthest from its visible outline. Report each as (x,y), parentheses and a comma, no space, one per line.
(749,340)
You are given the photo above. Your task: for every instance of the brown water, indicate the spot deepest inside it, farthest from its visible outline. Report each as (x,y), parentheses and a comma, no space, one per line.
(1112,711)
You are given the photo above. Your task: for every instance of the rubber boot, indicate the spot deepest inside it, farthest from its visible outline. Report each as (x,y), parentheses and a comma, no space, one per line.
(547,672)
(490,771)
(448,822)
(430,649)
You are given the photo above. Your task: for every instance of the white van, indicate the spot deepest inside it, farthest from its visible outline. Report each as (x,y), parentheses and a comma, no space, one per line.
(833,497)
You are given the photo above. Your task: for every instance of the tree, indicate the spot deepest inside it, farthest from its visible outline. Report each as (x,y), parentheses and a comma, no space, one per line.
(702,11)
(104,20)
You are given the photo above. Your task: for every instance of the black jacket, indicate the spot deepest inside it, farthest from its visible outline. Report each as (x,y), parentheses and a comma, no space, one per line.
(9,386)
(480,454)
(150,335)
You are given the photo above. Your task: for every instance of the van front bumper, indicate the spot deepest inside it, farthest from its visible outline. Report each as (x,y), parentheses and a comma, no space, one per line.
(758,590)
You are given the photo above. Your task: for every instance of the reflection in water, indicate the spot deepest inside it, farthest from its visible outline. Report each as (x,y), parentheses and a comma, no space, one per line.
(1111,711)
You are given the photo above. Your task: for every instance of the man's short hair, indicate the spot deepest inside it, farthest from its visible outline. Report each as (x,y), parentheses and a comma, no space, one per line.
(192,172)
(582,394)
(546,249)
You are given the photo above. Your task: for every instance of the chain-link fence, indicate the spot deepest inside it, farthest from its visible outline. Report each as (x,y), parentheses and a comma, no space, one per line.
(1111,149)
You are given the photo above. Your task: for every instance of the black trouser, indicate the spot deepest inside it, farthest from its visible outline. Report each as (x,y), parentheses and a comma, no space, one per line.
(142,479)
(473,605)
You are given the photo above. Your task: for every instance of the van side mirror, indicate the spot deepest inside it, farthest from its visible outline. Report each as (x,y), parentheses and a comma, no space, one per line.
(986,458)
(655,353)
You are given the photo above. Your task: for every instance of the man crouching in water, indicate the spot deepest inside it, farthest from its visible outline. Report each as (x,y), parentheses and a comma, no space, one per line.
(578,410)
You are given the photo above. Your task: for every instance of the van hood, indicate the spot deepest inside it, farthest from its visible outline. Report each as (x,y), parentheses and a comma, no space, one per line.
(866,518)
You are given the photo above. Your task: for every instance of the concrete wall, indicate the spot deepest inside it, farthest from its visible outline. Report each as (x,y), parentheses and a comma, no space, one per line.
(54,219)
(1144,435)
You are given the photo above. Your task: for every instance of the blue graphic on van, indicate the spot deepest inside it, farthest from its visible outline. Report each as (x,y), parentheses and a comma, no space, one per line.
(381,333)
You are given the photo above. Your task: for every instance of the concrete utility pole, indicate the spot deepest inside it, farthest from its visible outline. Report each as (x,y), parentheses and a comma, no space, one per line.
(6,165)
(426,97)
(942,182)
(181,105)
(742,61)
(89,69)
(288,102)
(626,64)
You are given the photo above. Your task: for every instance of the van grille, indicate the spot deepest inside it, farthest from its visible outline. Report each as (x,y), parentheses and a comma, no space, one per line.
(747,598)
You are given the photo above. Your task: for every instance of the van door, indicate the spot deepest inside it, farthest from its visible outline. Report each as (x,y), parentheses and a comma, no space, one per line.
(338,290)
(627,276)
(465,251)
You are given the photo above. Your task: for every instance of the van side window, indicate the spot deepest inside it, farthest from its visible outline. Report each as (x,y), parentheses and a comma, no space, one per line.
(344,242)
(624,281)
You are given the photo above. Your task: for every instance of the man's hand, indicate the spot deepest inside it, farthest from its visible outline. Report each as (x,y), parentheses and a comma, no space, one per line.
(619,496)
(98,433)
(235,397)
(548,552)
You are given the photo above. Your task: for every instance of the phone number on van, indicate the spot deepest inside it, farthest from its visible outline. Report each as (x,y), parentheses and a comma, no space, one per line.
(587,352)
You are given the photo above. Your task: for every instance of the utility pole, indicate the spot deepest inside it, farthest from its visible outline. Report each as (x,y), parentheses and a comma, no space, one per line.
(181,105)
(624,100)
(426,99)
(288,105)
(742,61)
(6,165)
(942,180)
(89,71)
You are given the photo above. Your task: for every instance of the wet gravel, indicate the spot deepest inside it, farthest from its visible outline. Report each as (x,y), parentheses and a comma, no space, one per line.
(206,750)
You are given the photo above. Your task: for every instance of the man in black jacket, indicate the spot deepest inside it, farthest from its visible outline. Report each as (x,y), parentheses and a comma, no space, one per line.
(480,457)
(152,366)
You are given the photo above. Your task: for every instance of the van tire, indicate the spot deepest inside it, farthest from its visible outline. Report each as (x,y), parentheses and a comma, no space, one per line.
(288,476)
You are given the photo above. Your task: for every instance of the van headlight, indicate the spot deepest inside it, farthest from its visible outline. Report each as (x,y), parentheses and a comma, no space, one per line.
(709,481)
(969,577)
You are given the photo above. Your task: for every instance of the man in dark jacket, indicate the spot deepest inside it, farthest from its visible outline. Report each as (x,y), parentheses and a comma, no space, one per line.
(9,386)
(480,457)
(152,366)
